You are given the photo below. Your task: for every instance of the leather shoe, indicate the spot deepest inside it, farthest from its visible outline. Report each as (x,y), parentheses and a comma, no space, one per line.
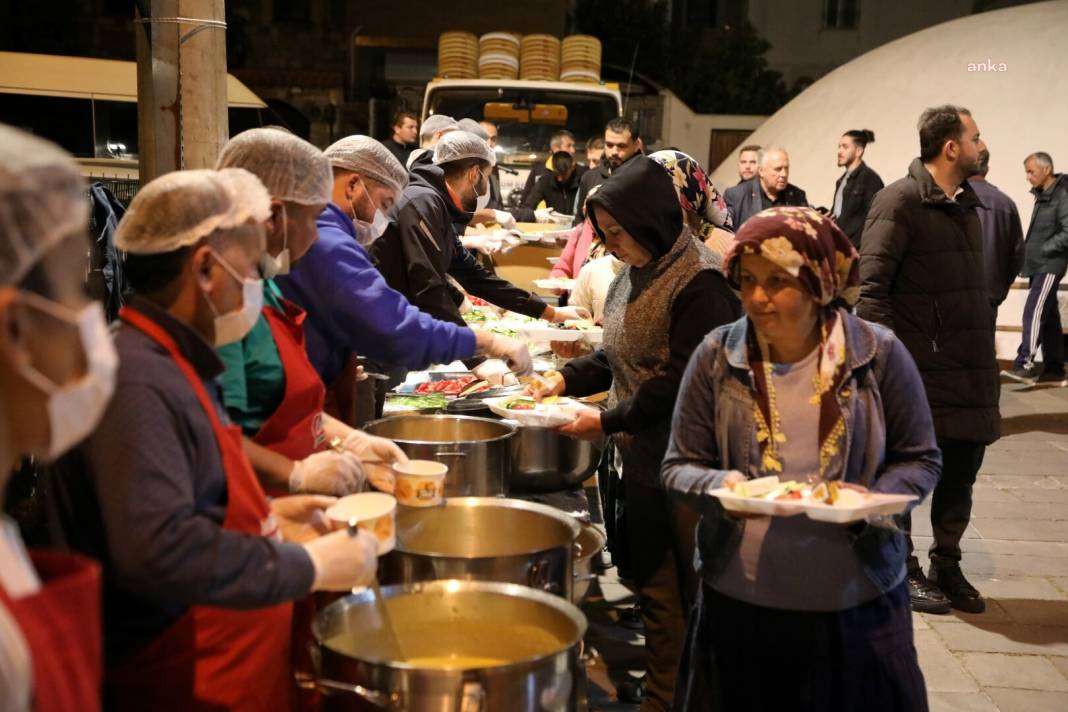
(925,596)
(961,594)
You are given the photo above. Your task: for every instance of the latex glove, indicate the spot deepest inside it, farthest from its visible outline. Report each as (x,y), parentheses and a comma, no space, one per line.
(327,472)
(486,244)
(585,426)
(514,353)
(562,314)
(343,561)
(377,455)
(496,372)
(505,219)
(544,215)
(300,516)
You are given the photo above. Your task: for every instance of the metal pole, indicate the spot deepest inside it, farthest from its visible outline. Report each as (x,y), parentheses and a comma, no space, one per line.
(181,85)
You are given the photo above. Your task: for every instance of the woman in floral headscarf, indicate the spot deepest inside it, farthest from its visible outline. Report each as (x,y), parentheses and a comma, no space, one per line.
(703,207)
(793,613)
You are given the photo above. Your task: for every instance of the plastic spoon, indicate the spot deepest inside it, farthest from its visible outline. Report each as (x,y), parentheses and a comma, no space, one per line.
(380,605)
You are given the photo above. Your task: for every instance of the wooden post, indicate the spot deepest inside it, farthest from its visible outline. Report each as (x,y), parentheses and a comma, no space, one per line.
(181,85)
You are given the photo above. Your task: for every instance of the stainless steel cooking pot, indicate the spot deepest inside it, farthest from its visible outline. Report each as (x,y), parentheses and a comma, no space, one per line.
(588,545)
(485,539)
(476,450)
(471,646)
(543,460)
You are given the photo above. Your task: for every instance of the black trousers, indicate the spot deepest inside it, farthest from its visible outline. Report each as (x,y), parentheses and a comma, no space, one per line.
(1042,326)
(951,503)
(661,536)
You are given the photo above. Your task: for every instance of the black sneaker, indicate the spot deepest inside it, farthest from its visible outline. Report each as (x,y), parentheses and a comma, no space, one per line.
(1052,380)
(926,597)
(1021,374)
(961,594)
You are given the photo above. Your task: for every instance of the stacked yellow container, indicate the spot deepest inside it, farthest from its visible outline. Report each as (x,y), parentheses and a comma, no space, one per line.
(580,59)
(539,58)
(458,55)
(498,56)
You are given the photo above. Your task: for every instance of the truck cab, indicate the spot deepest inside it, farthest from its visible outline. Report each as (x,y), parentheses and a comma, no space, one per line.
(526,113)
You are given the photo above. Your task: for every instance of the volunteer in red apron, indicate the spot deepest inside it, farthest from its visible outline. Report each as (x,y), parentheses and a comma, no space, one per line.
(199,583)
(57,372)
(270,387)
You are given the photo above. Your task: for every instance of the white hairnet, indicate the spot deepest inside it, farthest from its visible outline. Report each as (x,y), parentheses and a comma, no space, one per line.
(42,200)
(457,145)
(290,168)
(369,158)
(435,123)
(179,209)
(472,126)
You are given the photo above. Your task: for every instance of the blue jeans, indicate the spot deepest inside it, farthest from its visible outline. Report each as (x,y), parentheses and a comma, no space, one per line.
(1042,326)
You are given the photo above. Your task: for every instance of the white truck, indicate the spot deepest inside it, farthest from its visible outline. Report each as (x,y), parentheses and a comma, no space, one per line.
(526,114)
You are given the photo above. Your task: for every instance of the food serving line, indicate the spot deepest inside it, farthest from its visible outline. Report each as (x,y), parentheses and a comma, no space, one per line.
(486,551)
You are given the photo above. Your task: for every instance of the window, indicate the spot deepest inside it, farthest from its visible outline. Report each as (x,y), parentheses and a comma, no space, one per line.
(840,14)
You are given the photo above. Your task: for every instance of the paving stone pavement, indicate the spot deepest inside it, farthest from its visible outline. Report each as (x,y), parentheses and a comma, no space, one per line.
(1013,657)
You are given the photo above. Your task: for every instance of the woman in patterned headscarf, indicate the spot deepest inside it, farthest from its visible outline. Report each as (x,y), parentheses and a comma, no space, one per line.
(803,389)
(703,207)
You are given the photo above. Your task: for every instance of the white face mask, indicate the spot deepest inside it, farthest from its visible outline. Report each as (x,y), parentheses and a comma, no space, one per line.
(75,408)
(271,267)
(235,325)
(481,201)
(368,232)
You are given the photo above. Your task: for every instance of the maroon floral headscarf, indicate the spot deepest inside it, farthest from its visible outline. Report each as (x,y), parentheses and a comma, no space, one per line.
(814,250)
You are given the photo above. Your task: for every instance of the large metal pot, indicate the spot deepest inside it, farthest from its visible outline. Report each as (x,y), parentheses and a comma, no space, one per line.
(588,545)
(476,450)
(543,460)
(526,642)
(485,539)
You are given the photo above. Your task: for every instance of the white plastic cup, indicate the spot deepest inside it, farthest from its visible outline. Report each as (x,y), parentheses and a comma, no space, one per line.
(420,483)
(375,512)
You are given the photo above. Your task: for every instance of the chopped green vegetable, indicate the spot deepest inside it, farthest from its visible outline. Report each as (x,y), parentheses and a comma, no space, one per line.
(504,331)
(475,316)
(416,402)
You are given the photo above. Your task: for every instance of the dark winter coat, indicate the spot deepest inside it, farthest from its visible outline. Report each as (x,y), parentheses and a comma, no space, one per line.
(921,271)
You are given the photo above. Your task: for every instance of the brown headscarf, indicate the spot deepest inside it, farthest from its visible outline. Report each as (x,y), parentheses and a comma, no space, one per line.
(814,250)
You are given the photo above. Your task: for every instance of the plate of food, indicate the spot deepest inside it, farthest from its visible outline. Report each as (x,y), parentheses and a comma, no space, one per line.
(551,412)
(564,283)
(399,404)
(826,501)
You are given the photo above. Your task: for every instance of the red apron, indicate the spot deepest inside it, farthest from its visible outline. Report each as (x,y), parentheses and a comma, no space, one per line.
(61,625)
(295,429)
(213,658)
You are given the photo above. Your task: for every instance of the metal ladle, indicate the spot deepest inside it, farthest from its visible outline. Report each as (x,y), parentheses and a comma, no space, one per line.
(380,605)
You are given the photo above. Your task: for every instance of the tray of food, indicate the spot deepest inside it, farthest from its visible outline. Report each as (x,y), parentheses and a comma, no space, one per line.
(402,403)
(446,384)
(551,412)
(823,501)
(571,330)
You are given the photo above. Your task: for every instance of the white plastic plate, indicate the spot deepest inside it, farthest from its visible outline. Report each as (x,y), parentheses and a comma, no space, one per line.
(559,413)
(874,504)
(555,283)
(535,332)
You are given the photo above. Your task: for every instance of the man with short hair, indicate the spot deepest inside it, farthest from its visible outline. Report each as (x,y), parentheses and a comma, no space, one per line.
(562,140)
(405,132)
(769,188)
(621,143)
(556,190)
(857,186)
(922,275)
(435,126)
(496,201)
(1045,261)
(1002,235)
(421,248)
(594,152)
(747,162)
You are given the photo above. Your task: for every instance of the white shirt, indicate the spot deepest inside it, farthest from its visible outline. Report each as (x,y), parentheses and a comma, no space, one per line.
(591,285)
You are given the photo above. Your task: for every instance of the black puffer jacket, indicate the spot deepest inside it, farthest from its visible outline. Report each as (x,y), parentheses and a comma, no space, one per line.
(921,271)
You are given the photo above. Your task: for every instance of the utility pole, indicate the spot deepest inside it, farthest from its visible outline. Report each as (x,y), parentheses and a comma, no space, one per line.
(181,84)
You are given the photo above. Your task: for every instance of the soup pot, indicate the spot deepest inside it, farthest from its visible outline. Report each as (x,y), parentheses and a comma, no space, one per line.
(472,646)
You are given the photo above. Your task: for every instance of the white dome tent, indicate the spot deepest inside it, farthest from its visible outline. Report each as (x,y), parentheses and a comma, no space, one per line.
(1007,66)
